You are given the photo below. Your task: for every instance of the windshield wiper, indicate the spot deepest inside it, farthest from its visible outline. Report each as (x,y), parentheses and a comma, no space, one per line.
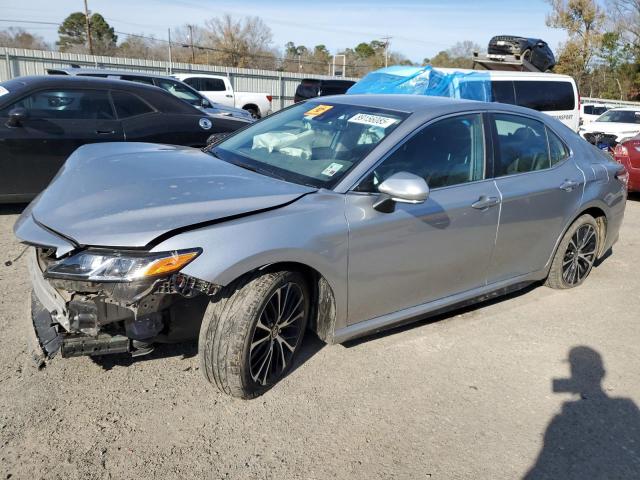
(261,171)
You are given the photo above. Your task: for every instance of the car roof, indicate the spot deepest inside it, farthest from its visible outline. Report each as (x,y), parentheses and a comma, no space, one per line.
(103,71)
(53,81)
(420,104)
(626,109)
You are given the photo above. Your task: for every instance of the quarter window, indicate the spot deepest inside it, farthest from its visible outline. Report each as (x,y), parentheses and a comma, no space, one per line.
(128,105)
(66,105)
(448,152)
(558,151)
(522,145)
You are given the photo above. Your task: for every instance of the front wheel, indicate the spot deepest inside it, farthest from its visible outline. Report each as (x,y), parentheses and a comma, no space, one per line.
(250,336)
(576,254)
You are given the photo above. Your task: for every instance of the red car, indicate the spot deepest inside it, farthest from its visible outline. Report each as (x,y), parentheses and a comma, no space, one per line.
(628,154)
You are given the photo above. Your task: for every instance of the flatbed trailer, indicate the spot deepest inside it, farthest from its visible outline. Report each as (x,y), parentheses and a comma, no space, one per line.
(513,63)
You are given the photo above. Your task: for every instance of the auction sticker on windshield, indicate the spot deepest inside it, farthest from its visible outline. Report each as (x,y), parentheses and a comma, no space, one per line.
(319,110)
(3,91)
(373,120)
(332,169)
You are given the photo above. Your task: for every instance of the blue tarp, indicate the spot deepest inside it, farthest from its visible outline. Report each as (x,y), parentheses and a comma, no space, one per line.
(470,85)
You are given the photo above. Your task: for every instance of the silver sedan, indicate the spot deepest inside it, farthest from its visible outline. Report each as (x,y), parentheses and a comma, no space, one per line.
(343,215)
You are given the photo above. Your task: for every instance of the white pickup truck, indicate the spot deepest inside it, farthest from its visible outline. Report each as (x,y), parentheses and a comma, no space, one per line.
(217,88)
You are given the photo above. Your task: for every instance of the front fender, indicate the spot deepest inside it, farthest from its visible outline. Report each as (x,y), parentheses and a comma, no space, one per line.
(311,231)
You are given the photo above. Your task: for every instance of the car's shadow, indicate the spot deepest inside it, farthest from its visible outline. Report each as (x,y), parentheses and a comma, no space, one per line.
(634,196)
(310,346)
(12,208)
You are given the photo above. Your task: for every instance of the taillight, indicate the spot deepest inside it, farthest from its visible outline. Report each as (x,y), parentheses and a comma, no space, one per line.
(622,175)
(621,150)
(270,98)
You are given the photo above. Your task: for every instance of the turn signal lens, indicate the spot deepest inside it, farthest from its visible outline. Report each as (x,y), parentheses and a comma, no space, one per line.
(168,265)
(621,150)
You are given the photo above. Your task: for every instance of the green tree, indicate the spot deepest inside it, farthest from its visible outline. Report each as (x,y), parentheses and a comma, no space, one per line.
(73,34)
(364,50)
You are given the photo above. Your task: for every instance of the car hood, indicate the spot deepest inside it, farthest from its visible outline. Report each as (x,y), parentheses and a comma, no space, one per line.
(128,194)
(611,127)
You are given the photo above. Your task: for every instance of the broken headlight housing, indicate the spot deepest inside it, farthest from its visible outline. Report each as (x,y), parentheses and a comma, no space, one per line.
(95,265)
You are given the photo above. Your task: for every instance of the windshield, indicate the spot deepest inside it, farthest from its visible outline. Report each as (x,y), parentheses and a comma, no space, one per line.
(620,116)
(312,143)
(181,91)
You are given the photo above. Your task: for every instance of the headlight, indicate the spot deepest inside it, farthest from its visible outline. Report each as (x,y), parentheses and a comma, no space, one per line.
(115,266)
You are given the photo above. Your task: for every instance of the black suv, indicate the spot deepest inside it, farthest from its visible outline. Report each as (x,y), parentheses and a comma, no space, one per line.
(313,87)
(534,50)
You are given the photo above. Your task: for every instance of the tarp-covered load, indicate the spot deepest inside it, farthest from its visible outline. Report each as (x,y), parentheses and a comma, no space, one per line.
(436,82)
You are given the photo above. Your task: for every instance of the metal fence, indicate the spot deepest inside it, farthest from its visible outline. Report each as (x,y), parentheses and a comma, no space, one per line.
(616,103)
(15,62)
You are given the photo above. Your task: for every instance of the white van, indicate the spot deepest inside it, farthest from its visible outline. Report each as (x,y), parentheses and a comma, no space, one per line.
(553,94)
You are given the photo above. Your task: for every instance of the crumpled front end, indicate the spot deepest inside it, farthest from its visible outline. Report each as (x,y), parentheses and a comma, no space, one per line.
(79,317)
(107,308)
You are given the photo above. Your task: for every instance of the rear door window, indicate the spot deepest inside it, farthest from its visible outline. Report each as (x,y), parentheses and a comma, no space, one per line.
(66,105)
(194,82)
(129,105)
(545,96)
(212,85)
(522,145)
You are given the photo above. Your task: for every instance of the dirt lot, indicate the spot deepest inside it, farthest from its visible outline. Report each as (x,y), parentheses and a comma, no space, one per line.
(468,395)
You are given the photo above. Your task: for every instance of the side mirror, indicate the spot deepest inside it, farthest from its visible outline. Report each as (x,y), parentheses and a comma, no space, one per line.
(17,116)
(205,103)
(401,187)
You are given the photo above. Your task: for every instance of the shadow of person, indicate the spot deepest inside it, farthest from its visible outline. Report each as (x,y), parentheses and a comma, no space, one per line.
(593,437)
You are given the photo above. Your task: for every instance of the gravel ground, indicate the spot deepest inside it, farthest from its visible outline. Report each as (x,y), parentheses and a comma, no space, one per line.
(467,395)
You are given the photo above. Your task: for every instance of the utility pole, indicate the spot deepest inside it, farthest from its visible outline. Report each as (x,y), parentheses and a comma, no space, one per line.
(386,50)
(170,53)
(193,52)
(88,23)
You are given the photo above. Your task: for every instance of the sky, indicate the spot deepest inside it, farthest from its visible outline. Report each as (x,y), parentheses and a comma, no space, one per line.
(418,29)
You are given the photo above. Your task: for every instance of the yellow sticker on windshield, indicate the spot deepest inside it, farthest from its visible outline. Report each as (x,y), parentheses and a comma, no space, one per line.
(319,110)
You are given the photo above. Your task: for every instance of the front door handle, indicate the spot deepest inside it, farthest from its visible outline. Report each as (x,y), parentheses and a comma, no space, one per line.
(229,96)
(485,202)
(568,185)
(105,132)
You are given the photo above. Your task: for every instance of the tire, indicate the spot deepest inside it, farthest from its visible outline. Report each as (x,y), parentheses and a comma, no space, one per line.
(569,270)
(243,318)
(255,113)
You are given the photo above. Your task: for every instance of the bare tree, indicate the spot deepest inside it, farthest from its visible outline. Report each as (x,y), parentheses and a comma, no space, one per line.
(20,38)
(240,43)
(626,16)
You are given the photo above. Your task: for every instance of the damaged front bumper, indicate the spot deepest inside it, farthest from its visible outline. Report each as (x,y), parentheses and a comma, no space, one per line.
(92,318)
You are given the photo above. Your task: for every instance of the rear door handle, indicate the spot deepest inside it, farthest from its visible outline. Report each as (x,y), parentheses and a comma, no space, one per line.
(568,185)
(485,202)
(105,132)
(229,96)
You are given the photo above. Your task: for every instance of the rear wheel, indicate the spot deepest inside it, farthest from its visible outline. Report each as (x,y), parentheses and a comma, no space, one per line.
(576,254)
(255,113)
(249,338)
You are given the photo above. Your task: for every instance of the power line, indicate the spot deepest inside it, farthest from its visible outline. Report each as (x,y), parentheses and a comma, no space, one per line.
(197,47)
